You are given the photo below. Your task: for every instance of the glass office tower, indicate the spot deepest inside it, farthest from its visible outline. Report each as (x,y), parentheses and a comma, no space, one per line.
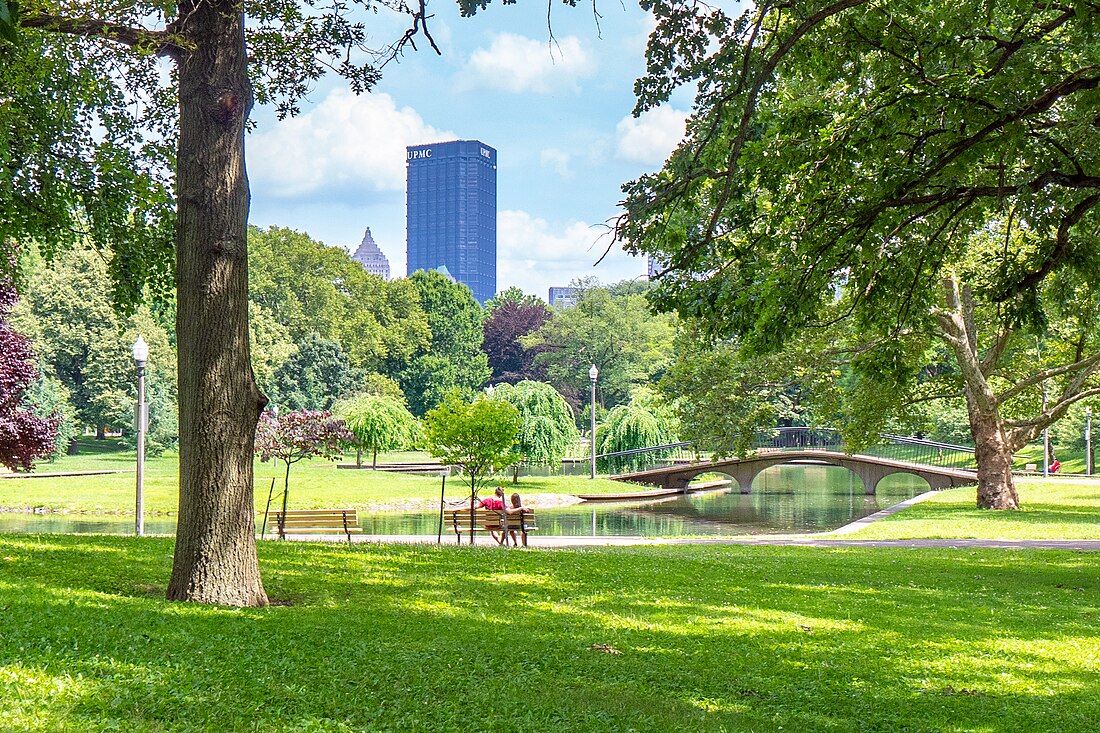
(452,212)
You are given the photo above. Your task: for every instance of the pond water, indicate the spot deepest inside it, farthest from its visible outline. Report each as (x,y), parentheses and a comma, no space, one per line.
(784,499)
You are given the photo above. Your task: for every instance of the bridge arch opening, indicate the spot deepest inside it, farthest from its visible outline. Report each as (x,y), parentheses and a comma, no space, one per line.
(796,476)
(901,483)
(714,481)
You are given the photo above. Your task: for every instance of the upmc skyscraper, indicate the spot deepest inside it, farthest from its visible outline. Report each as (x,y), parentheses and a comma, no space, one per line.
(452,212)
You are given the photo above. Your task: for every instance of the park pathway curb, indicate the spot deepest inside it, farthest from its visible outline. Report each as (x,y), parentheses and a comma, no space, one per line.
(870,518)
(822,540)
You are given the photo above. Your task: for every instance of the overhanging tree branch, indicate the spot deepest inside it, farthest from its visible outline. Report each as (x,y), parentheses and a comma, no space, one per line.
(161,43)
(1087,365)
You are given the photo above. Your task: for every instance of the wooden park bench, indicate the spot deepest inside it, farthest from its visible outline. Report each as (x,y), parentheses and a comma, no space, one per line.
(316,521)
(491,520)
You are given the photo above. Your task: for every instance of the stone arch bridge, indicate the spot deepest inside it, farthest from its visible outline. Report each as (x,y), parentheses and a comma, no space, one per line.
(869,469)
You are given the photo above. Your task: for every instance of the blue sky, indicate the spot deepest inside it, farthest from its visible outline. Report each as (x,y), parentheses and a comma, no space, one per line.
(558,114)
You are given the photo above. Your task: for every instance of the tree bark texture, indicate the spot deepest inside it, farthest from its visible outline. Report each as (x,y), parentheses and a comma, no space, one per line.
(993,454)
(992,451)
(215,558)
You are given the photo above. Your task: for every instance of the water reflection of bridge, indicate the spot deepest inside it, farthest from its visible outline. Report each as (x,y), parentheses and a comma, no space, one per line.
(941,465)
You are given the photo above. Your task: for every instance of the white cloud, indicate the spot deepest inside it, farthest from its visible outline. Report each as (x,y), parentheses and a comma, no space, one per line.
(516,64)
(651,138)
(345,141)
(557,161)
(532,256)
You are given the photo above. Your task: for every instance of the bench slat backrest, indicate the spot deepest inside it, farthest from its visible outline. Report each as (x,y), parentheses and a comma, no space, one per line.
(316,520)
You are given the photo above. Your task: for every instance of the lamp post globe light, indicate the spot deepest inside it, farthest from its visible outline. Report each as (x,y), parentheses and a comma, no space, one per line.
(141,424)
(593,373)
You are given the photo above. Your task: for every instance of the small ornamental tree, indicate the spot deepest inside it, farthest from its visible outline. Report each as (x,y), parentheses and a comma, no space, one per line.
(478,437)
(378,423)
(298,435)
(24,435)
(549,426)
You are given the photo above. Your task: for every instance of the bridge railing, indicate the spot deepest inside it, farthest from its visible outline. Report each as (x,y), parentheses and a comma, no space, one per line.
(641,459)
(894,447)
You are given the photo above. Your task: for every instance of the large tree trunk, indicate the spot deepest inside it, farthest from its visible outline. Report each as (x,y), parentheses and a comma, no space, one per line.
(994,456)
(992,451)
(215,559)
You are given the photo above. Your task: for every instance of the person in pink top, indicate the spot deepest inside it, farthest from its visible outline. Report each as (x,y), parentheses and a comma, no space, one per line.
(495,502)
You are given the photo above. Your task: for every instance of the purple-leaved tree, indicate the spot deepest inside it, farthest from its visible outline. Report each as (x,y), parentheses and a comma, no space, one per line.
(298,435)
(24,436)
(508,358)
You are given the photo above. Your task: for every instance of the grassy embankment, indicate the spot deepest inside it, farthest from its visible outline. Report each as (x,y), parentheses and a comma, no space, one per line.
(387,638)
(1049,509)
(313,484)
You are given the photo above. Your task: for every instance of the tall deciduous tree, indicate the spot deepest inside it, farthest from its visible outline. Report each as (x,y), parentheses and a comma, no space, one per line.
(309,287)
(935,161)
(86,345)
(454,360)
(622,336)
(723,399)
(315,376)
(97,127)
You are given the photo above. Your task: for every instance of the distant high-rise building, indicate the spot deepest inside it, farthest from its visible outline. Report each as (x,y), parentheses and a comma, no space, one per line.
(371,257)
(563,297)
(452,212)
(655,266)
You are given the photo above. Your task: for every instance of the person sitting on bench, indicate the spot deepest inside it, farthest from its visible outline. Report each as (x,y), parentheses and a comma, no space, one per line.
(493,503)
(516,508)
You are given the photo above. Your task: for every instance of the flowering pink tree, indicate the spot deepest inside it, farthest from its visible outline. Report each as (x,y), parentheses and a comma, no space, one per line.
(298,435)
(24,436)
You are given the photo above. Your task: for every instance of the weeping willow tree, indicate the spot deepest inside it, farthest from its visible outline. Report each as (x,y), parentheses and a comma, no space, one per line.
(644,422)
(549,426)
(378,423)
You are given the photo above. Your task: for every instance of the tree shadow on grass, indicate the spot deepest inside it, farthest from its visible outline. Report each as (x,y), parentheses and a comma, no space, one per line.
(398,638)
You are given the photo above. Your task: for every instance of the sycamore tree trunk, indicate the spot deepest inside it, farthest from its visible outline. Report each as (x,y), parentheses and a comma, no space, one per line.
(992,451)
(215,558)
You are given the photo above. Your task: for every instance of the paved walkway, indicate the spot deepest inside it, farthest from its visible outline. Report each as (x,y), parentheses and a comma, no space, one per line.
(820,540)
(63,474)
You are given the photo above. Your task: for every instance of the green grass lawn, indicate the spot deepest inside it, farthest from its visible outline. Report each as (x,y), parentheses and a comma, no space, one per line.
(392,638)
(1050,509)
